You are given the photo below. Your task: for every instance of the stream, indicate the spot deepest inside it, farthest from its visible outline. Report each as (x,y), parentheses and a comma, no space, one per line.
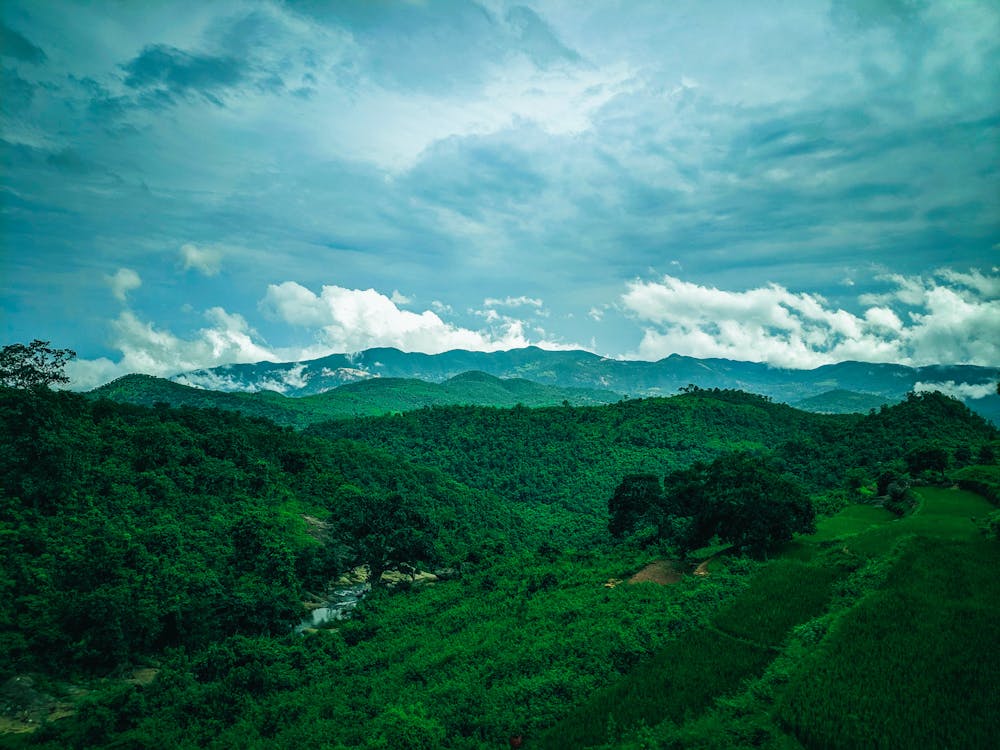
(338,606)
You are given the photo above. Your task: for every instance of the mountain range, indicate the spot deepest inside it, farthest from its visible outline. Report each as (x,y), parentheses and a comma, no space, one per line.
(841,387)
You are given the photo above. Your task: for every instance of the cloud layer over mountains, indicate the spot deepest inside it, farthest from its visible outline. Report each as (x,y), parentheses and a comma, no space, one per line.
(193,182)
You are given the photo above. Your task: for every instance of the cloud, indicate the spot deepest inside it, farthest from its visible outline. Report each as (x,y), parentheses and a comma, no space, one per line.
(146,348)
(206,260)
(959,390)
(512,302)
(400,299)
(562,144)
(770,324)
(19,47)
(122,282)
(350,320)
(174,72)
(281,381)
(85,374)
(988,286)
(883,317)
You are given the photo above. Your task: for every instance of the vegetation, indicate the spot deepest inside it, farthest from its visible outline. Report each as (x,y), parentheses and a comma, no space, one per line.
(372,397)
(34,365)
(184,542)
(129,530)
(739,498)
(931,631)
(843,402)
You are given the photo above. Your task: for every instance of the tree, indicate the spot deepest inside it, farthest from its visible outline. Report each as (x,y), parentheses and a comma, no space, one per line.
(635,499)
(987,455)
(35,365)
(687,521)
(963,455)
(383,532)
(927,457)
(740,497)
(757,508)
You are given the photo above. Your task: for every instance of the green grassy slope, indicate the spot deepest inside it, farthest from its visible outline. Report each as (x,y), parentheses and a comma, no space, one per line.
(886,637)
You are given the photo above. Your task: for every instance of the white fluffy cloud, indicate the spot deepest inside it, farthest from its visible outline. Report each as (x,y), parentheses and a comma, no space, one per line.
(350,320)
(958,390)
(281,382)
(931,323)
(342,320)
(145,348)
(205,260)
(122,282)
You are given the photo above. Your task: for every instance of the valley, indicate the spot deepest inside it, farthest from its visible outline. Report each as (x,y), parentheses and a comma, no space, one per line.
(184,541)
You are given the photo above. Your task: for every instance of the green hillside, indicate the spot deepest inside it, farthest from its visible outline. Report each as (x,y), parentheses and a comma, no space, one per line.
(842,402)
(375,396)
(632,378)
(156,561)
(574,457)
(886,637)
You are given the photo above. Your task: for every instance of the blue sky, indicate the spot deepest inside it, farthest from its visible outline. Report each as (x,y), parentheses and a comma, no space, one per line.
(184,185)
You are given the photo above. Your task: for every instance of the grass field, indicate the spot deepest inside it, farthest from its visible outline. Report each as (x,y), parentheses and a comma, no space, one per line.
(851,520)
(689,674)
(869,530)
(680,681)
(915,662)
(784,594)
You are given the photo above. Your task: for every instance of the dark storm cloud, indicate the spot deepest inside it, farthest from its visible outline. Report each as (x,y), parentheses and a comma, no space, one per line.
(477,176)
(456,152)
(172,72)
(16,94)
(17,46)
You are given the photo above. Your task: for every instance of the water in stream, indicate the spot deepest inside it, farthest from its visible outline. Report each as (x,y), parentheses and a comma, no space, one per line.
(341,602)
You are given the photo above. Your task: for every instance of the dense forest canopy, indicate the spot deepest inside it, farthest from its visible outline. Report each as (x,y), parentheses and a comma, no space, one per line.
(187,540)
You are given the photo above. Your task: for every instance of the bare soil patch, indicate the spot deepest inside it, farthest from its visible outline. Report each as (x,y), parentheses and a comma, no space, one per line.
(662,572)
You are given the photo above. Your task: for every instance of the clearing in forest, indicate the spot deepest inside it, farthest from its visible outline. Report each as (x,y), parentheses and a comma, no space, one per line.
(663,572)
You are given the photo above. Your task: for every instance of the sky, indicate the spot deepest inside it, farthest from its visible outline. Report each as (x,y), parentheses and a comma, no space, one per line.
(190,184)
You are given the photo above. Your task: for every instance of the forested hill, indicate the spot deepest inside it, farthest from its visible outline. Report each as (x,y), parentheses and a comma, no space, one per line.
(580,369)
(574,457)
(374,396)
(126,530)
(186,541)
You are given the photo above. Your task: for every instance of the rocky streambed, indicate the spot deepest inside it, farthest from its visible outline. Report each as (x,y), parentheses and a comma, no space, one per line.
(343,597)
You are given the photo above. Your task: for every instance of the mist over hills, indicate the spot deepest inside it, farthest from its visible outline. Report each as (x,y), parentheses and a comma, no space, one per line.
(861,385)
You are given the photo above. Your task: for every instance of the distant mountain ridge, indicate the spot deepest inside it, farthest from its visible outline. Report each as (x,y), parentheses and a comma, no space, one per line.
(842,402)
(580,369)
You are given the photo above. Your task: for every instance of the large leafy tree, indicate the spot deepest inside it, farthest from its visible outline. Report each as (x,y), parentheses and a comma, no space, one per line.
(756,507)
(34,365)
(638,497)
(739,497)
(384,531)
